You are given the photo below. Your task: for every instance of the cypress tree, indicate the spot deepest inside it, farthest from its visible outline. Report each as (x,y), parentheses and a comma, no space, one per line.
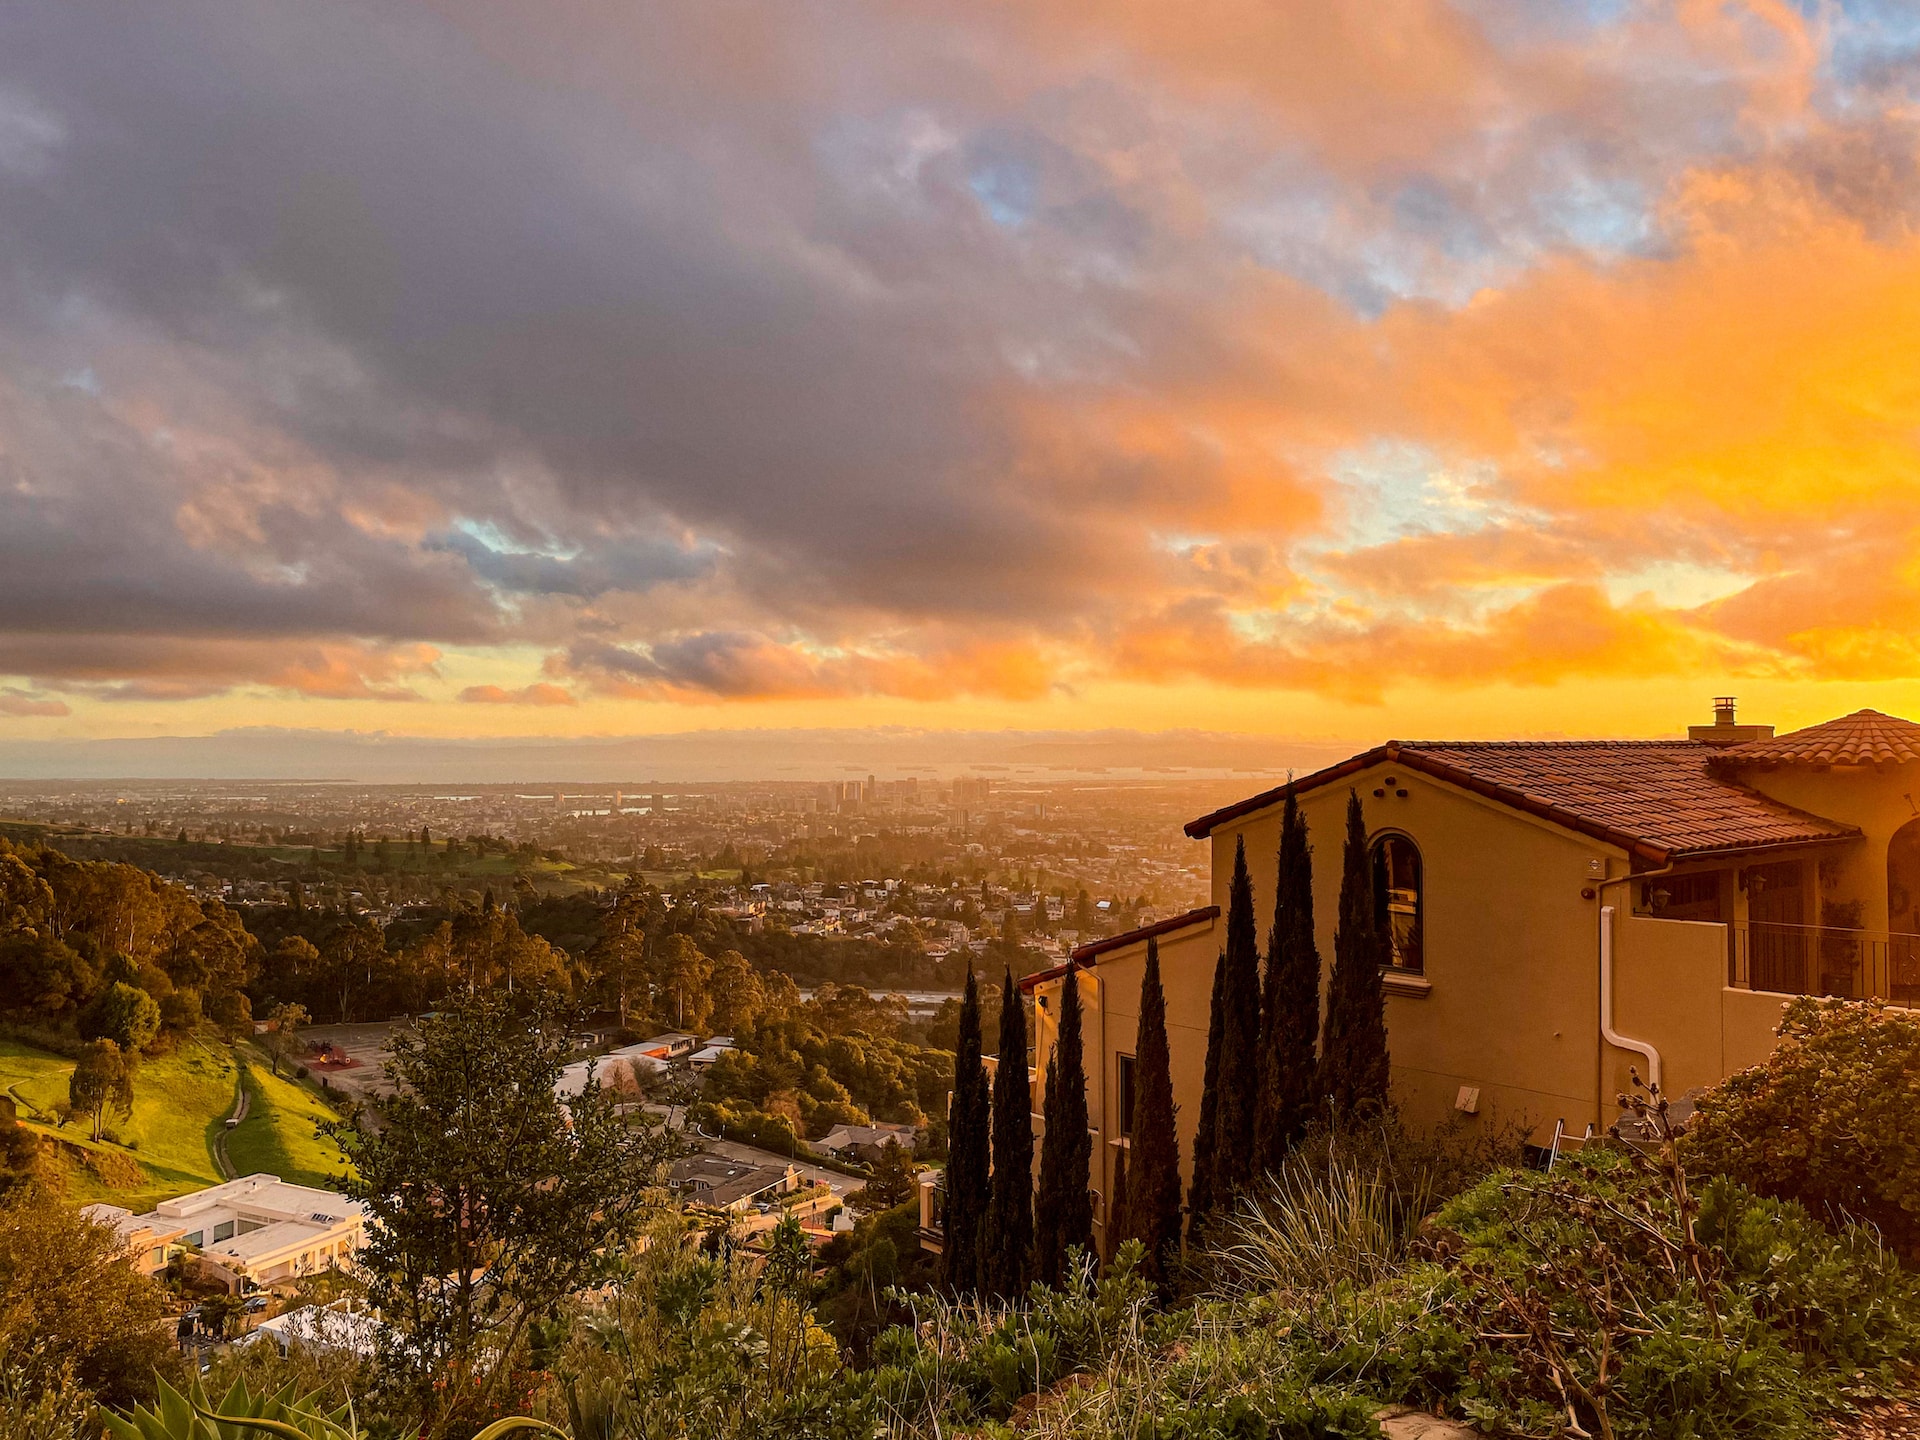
(1153,1163)
(1006,1246)
(967,1175)
(1290,1003)
(1200,1193)
(1239,1084)
(1063,1213)
(1353,1048)
(1120,1228)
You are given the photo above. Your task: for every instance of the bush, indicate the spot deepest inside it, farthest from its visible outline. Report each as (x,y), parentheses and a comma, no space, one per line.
(301,1073)
(1828,1119)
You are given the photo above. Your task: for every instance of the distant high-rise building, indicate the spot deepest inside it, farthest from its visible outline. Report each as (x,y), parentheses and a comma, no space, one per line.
(972,790)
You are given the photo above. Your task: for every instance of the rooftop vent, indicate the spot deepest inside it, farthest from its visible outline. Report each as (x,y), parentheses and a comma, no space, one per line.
(1724,731)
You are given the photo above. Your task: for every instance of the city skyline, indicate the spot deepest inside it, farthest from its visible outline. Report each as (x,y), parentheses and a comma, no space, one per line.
(1288,377)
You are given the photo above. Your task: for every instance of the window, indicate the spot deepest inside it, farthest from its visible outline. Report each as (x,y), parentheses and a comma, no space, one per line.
(223,1231)
(1125,1098)
(1397,900)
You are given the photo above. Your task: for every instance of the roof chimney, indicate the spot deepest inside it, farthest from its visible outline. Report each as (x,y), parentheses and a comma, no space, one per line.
(1724,731)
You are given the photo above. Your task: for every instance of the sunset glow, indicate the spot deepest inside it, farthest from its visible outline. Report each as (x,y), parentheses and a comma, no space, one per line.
(1320,372)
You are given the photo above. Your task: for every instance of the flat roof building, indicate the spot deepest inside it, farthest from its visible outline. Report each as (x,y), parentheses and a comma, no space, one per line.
(254,1230)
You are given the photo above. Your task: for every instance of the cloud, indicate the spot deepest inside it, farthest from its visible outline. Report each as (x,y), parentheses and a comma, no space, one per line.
(17,702)
(751,352)
(149,668)
(539,693)
(733,666)
(636,564)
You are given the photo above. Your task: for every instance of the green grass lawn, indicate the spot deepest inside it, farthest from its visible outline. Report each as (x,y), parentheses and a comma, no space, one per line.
(179,1102)
(279,1134)
(180,1105)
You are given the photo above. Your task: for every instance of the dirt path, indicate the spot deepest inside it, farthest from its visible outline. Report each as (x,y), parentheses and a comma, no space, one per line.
(220,1156)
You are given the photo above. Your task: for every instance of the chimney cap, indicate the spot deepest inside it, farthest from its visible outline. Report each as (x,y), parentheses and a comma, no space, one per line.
(1725,731)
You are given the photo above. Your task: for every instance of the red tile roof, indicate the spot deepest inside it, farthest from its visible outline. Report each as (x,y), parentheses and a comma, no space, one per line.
(1090,953)
(1653,798)
(1865,737)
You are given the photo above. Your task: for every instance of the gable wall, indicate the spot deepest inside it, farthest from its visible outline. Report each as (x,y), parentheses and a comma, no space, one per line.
(1511,1004)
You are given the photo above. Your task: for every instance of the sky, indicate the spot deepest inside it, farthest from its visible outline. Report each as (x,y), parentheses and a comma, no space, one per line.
(1317,372)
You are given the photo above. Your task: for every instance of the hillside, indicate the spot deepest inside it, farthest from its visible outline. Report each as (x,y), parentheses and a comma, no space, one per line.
(169,1145)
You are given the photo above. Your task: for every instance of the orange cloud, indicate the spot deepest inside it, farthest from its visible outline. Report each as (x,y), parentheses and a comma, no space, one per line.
(21,703)
(733,666)
(540,693)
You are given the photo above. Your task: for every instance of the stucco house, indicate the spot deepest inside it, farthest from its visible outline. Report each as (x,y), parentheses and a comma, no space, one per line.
(253,1231)
(1560,911)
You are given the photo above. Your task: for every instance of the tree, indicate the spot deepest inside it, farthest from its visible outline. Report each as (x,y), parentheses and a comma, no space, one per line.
(1290,1004)
(967,1152)
(103,1077)
(1200,1190)
(1007,1245)
(124,1014)
(680,979)
(1153,1160)
(894,1179)
(68,1297)
(620,956)
(489,1199)
(1063,1211)
(1353,1047)
(738,996)
(1239,1077)
(22,1160)
(233,1013)
(283,1036)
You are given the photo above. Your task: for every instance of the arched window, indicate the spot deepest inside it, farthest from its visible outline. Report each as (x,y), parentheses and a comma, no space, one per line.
(1397,900)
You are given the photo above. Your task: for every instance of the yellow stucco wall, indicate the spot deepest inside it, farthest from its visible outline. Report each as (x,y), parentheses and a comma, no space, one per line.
(1511,914)
(1668,979)
(1511,948)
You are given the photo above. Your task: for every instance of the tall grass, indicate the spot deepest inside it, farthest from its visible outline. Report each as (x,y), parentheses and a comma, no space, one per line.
(1316,1229)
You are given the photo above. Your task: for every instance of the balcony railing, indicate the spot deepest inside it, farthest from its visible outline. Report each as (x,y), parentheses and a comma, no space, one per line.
(1824,960)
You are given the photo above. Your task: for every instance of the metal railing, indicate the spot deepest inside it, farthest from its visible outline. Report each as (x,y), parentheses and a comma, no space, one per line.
(1824,960)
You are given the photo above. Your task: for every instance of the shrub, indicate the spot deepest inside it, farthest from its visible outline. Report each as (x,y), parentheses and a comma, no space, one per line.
(1828,1119)
(301,1073)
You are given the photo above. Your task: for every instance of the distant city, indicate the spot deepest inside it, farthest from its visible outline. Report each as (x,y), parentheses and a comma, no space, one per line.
(872,858)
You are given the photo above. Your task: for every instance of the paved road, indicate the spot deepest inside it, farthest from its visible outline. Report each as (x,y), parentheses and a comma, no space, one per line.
(220,1157)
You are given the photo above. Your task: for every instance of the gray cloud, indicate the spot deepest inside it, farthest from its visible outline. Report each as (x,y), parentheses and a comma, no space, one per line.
(897,323)
(636,565)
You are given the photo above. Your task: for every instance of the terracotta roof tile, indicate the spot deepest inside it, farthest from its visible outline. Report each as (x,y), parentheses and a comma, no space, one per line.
(1865,737)
(1655,798)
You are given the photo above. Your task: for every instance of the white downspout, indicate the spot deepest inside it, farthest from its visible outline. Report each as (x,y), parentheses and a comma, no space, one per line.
(1607,1032)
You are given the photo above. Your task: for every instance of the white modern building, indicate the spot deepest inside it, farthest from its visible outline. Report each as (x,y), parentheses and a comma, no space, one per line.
(254,1230)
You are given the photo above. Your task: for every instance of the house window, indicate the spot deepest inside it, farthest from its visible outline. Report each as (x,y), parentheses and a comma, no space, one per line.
(223,1231)
(1397,899)
(1125,1087)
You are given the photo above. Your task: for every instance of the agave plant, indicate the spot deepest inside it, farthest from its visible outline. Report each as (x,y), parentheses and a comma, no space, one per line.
(242,1415)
